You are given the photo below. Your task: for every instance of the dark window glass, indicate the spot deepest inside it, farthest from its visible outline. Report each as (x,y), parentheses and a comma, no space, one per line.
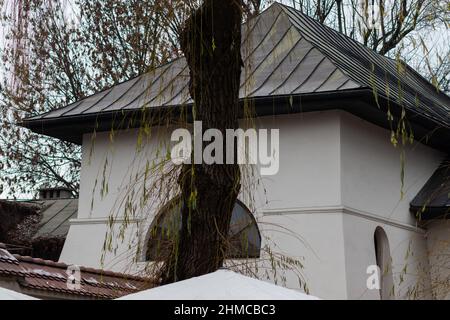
(244,237)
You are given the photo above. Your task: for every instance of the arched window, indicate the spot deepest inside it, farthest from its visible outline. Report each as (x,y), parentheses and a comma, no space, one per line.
(384,262)
(244,237)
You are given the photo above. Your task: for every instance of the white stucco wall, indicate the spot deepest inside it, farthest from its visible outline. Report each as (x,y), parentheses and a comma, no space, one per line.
(371,196)
(301,217)
(113,169)
(407,250)
(339,179)
(309,174)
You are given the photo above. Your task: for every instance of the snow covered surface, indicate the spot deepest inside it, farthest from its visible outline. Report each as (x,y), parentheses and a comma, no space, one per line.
(6,294)
(45,273)
(6,255)
(220,285)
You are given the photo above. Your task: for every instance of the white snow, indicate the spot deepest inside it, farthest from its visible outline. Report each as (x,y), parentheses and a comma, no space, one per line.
(47,274)
(129,285)
(91,281)
(220,285)
(6,294)
(5,253)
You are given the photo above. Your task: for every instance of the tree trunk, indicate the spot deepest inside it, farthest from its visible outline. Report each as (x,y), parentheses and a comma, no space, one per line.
(211,42)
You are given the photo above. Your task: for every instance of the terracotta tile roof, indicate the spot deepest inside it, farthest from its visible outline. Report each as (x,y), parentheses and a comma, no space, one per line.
(51,277)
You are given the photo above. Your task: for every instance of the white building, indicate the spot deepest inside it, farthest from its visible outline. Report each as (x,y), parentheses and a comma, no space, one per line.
(336,203)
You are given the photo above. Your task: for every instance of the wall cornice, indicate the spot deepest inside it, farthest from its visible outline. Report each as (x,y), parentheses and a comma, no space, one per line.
(345,210)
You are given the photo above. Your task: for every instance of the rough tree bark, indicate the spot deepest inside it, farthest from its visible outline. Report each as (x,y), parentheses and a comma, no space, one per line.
(210,41)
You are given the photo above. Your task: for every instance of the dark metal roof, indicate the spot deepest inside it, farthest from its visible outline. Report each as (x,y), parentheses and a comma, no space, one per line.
(433,201)
(56,215)
(278,60)
(286,53)
(53,215)
(388,78)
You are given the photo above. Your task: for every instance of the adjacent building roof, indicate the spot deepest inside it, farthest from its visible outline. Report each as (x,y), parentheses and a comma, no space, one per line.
(433,201)
(44,278)
(55,217)
(37,227)
(286,54)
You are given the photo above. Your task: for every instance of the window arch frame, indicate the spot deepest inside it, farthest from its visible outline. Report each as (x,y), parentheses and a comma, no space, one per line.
(383,260)
(168,206)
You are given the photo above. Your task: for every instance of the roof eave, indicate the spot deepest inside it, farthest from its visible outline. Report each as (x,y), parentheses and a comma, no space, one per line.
(431,213)
(360,102)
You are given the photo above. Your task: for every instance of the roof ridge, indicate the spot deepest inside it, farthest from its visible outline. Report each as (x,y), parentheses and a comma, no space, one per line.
(286,8)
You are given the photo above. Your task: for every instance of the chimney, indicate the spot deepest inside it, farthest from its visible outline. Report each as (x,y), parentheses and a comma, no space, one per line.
(55,193)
